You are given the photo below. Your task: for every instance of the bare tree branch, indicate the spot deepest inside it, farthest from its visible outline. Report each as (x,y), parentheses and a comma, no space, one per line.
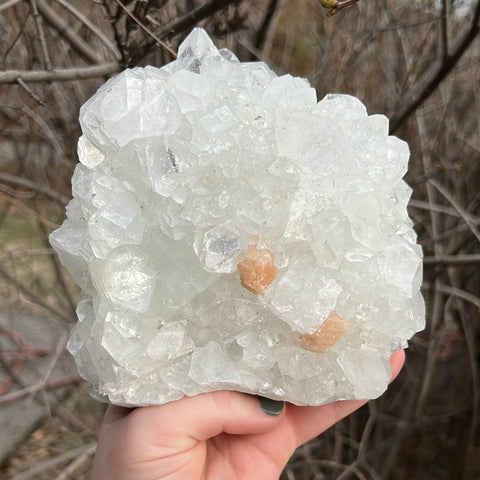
(8,4)
(24,182)
(463,214)
(263,30)
(29,211)
(25,392)
(59,74)
(41,35)
(456,292)
(35,299)
(436,74)
(66,32)
(53,462)
(145,29)
(185,22)
(30,91)
(452,259)
(190,19)
(28,253)
(77,462)
(444,29)
(88,24)
(422,205)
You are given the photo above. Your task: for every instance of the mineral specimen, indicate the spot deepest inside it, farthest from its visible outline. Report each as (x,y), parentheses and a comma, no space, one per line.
(229,232)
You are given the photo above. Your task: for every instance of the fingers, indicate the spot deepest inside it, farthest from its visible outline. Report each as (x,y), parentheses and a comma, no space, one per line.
(308,422)
(179,425)
(396,363)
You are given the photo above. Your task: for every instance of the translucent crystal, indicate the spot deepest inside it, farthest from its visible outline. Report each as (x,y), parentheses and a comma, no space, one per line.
(88,154)
(218,248)
(228,231)
(170,342)
(304,297)
(125,278)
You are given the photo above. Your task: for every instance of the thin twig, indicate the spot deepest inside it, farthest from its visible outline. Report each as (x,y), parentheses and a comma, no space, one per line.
(32,213)
(264,27)
(456,292)
(463,214)
(52,137)
(145,29)
(54,462)
(191,18)
(59,349)
(332,464)
(41,35)
(434,207)
(24,182)
(30,91)
(452,259)
(15,193)
(444,30)
(59,409)
(340,6)
(367,431)
(59,273)
(16,38)
(437,72)
(90,450)
(28,253)
(96,31)
(24,392)
(187,21)
(35,298)
(8,4)
(62,27)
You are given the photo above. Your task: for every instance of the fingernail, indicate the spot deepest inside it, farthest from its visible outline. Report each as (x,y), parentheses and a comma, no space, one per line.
(271,407)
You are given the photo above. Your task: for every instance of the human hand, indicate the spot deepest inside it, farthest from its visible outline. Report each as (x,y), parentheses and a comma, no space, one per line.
(212,436)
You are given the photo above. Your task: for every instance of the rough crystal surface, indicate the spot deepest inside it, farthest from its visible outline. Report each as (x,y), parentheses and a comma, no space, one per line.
(228,231)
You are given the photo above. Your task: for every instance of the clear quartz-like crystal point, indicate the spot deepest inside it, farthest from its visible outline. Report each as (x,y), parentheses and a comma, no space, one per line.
(228,231)
(196,49)
(125,279)
(88,153)
(218,248)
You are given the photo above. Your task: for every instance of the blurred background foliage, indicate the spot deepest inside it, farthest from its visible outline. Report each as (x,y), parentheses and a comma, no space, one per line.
(415,61)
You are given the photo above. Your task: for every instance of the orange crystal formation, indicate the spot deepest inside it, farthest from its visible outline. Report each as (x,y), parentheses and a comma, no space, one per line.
(257,269)
(326,335)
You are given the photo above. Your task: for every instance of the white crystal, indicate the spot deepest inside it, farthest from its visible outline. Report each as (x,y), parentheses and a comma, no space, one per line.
(88,154)
(370,366)
(170,342)
(228,231)
(304,297)
(125,279)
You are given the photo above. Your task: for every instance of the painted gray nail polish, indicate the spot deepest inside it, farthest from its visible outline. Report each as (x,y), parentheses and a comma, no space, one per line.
(271,407)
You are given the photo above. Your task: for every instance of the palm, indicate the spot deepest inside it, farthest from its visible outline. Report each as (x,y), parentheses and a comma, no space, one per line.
(226,455)
(210,437)
(262,455)
(249,456)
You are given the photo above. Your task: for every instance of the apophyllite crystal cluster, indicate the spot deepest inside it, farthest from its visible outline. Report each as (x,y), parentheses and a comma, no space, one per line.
(229,232)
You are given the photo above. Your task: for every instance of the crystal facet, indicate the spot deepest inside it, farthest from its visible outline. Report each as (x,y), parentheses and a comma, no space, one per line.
(228,231)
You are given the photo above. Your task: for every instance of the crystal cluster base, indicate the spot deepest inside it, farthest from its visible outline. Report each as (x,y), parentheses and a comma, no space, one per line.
(228,231)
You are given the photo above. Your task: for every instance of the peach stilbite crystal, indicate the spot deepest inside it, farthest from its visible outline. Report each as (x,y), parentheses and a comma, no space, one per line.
(326,335)
(257,269)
